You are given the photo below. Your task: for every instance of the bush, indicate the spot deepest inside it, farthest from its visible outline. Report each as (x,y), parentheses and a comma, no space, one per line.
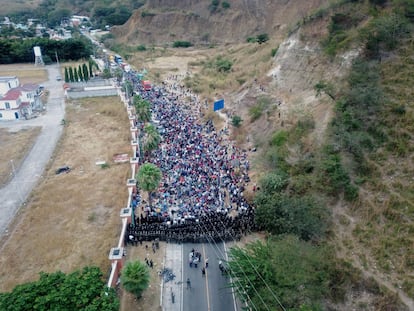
(262,38)
(141,48)
(146,13)
(281,214)
(223,64)
(274,52)
(251,39)
(279,138)
(214,5)
(225,5)
(236,121)
(302,274)
(255,112)
(182,44)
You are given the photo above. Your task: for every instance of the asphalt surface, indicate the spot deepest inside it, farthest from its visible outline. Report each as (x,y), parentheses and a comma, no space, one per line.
(207,293)
(25,177)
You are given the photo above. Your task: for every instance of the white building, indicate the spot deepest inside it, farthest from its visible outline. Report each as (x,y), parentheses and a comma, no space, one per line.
(8,83)
(10,106)
(17,101)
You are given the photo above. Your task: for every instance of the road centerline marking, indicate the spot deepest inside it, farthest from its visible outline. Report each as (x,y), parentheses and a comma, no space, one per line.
(207,291)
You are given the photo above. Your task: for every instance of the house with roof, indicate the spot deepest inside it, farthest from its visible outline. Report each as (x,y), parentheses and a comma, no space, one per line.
(18,101)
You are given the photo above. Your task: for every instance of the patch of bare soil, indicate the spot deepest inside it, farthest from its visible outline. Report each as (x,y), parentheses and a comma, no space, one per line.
(72,219)
(14,146)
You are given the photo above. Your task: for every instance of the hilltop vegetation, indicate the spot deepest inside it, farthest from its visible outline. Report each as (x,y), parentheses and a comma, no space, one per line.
(101,13)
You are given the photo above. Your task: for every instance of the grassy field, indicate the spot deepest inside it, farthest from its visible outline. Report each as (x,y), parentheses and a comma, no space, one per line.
(14,146)
(27,73)
(72,220)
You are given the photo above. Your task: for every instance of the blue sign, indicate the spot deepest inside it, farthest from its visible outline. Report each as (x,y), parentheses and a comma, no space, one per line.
(219,104)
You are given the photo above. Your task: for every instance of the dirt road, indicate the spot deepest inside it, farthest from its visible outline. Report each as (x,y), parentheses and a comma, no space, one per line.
(15,193)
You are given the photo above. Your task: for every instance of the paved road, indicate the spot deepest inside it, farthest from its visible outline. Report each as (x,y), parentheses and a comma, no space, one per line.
(208,293)
(15,193)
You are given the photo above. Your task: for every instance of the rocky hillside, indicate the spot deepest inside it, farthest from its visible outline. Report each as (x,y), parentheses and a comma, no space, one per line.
(165,21)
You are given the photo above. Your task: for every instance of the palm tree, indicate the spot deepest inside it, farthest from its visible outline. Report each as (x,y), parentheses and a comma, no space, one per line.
(135,277)
(151,139)
(149,177)
(142,109)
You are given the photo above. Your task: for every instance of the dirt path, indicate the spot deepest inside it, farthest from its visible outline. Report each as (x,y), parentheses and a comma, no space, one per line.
(16,192)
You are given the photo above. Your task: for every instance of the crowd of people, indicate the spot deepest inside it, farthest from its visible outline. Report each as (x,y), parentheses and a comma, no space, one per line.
(201,196)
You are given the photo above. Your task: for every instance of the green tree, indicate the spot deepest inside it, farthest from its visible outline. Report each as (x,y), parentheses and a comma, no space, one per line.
(79,290)
(151,139)
(90,65)
(296,272)
(281,214)
(66,75)
(142,109)
(236,121)
(135,277)
(71,75)
(85,72)
(149,177)
(80,73)
(118,74)
(325,87)
(75,74)
(128,88)
(106,74)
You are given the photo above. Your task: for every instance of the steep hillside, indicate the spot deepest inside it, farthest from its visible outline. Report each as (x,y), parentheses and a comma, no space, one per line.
(331,109)
(165,21)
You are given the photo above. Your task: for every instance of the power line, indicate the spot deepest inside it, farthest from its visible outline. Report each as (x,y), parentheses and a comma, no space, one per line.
(255,269)
(221,256)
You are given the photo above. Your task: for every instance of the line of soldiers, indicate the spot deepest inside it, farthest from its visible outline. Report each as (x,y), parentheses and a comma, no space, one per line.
(209,228)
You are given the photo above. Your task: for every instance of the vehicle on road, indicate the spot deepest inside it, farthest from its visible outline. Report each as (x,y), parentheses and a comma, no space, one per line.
(58,78)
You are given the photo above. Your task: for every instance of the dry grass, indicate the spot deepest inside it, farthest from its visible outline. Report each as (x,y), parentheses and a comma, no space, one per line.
(72,220)
(27,73)
(14,146)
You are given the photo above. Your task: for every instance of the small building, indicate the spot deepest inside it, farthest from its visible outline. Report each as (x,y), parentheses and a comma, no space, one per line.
(10,105)
(18,101)
(7,83)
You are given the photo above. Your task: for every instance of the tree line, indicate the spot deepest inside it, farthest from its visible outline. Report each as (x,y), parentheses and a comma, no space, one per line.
(21,51)
(82,73)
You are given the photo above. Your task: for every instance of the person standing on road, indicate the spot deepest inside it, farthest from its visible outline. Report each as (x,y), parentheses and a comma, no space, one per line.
(188,283)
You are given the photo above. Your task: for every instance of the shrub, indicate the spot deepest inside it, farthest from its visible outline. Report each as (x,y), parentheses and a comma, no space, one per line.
(236,121)
(141,48)
(214,5)
(182,44)
(146,13)
(225,5)
(251,39)
(279,138)
(223,64)
(274,52)
(255,112)
(262,38)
